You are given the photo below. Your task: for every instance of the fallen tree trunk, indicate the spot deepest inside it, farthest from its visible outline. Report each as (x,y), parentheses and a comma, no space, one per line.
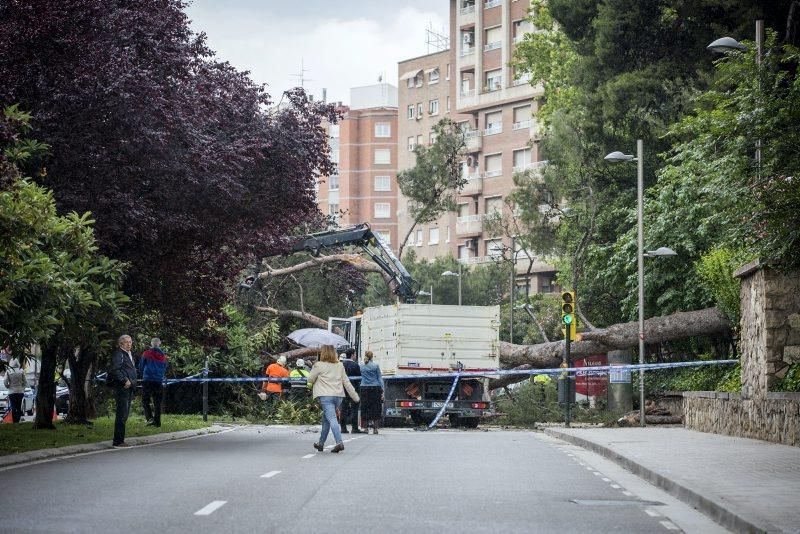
(294,314)
(619,336)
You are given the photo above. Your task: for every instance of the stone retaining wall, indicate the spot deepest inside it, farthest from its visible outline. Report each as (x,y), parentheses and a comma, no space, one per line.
(774,418)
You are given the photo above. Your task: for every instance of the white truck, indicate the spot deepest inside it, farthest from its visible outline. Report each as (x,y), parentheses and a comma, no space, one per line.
(415,344)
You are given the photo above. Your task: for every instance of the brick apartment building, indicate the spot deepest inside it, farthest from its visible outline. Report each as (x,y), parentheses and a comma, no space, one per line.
(473,84)
(364,145)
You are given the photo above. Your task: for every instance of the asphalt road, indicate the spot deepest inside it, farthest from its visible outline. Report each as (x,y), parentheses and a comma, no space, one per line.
(270,479)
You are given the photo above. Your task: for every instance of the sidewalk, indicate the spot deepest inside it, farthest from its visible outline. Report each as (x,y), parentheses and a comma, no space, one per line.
(744,484)
(46,454)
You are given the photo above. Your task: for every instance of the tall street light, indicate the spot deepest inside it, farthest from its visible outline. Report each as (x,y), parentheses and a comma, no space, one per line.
(619,157)
(424,293)
(458,275)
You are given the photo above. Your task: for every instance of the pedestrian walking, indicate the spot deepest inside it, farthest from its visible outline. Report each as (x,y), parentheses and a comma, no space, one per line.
(274,390)
(329,385)
(16,383)
(299,388)
(153,368)
(122,375)
(350,408)
(371,393)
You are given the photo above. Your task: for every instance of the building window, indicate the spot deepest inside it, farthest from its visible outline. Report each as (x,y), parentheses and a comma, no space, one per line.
(412,142)
(447,76)
(494,248)
(463,252)
(494,80)
(419,110)
(411,111)
(494,123)
(385,235)
(433,76)
(448,234)
(419,238)
(493,38)
(431,138)
(521,27)
(383,156)
(333,210)
(493,206)
(383,210)
(383,129)
(463,210)
(383,183)
(433,236)
(448,104)
(419,139)
(418,79)
(493,165)
(433,107)
(410,83)
(522,118)
(333,182)
(522,159)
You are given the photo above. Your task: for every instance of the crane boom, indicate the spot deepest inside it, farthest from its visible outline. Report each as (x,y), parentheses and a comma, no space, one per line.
(377,249)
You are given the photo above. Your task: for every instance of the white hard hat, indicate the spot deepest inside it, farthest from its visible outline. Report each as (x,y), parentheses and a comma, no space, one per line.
(282,360)
(300,362)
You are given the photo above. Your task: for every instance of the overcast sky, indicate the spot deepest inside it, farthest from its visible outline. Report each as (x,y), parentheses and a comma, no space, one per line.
(342,44)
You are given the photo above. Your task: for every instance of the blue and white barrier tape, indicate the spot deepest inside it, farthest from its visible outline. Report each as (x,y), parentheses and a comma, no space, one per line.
(600,369)
(447,400)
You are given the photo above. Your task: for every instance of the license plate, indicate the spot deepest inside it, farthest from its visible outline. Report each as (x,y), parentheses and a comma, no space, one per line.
(440,404)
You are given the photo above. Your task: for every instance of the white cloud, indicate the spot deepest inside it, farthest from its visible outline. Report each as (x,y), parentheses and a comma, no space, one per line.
(338,53)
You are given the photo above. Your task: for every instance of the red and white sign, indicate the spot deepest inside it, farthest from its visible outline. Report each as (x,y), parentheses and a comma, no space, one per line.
(595,383)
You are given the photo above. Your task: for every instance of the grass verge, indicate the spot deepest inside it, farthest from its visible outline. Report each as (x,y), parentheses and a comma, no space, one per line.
(23,437)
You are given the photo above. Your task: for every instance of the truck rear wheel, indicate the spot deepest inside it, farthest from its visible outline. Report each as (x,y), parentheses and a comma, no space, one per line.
(455,421)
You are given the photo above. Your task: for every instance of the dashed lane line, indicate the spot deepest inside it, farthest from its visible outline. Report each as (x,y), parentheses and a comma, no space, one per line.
(270,474)
(669,525)
(308,456)
(210,508)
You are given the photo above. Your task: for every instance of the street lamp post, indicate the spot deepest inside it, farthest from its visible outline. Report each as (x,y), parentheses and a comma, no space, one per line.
(458,275)
(427,294)
(617,157)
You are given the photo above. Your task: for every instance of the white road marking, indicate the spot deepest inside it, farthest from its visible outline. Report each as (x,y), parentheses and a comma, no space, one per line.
(589,468)
(616,486)
(270,474)
(651,512)
(308,456)
(210,508)
(669,525)
(628,493)
(606,479)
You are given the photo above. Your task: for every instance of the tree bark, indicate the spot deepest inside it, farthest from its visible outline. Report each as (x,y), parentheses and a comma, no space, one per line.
(46,389)
(295,314)
(81,365)
(356,260)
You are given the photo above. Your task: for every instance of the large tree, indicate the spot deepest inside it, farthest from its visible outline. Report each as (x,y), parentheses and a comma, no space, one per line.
(185,163)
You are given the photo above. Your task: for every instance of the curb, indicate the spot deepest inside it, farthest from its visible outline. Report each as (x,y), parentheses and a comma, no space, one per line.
(709,507)
(47,454)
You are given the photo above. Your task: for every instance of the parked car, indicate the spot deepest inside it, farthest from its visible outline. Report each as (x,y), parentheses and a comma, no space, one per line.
(62,397)
(28,400)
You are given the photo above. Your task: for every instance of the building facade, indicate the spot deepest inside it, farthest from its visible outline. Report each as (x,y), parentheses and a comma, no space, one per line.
(496,109)
(364,147)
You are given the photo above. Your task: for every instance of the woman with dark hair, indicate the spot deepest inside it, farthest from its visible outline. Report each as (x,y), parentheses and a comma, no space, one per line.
(329,384)
(371,393)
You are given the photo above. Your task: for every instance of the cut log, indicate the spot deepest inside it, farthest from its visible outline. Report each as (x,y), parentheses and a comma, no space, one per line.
(295,314)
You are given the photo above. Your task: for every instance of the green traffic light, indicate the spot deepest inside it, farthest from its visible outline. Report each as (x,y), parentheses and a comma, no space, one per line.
(568,319)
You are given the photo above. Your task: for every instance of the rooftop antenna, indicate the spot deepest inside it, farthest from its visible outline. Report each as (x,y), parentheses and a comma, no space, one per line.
(436,40)
(301,76)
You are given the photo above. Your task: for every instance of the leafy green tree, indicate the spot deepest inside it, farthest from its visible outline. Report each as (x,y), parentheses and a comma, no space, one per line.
(432,184)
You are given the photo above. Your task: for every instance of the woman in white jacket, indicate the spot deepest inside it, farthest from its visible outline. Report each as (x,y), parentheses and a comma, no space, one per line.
(16,383)
(330,382)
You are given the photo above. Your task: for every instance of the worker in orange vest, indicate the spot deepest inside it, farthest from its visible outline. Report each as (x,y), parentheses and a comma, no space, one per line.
(274,390)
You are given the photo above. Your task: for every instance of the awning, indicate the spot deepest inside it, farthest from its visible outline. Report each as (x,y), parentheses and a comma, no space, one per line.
(410,74)
(428,71)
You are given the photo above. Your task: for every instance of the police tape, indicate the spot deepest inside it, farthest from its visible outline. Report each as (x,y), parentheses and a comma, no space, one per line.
(579,371)
(446,401)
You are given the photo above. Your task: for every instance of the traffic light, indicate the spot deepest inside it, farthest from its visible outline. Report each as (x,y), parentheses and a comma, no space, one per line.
(568,313)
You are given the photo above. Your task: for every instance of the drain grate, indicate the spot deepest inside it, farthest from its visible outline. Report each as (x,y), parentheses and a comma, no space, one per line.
(592,502)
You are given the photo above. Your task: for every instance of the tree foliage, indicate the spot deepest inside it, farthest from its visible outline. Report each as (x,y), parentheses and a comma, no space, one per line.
(185,163)
(432,184)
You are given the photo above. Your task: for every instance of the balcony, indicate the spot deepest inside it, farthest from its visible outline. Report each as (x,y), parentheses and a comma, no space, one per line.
(493,129)
(493,174)
(478,260)
(492,46)
(470,225)
(521,125)
(466,10)
(474,186)
(473,140)
(535,166)
(491,3)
